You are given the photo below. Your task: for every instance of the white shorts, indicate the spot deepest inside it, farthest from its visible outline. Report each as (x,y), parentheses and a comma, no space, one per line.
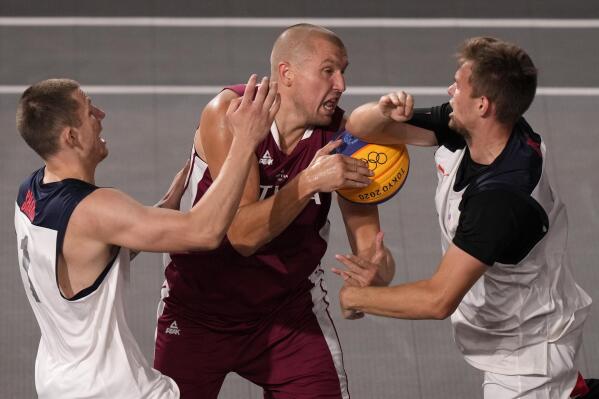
(562,373)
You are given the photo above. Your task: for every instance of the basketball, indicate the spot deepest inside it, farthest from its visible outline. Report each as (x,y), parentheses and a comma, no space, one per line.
(390,164)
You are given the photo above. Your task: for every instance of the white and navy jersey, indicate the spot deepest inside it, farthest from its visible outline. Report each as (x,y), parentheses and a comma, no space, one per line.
(86,349)
(506,320)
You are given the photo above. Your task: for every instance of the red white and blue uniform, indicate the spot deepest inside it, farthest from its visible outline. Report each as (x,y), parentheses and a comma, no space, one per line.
(86,349)
(264,316)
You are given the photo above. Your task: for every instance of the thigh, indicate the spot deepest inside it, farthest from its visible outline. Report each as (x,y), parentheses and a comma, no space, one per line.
(193,356)
(298,356)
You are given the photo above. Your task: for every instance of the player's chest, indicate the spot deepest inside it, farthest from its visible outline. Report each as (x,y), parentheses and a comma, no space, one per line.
(278,168)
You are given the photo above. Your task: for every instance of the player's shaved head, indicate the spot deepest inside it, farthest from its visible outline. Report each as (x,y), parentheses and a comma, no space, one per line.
(297,42)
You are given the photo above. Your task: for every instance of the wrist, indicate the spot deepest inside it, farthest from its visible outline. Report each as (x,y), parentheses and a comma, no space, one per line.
(348,297)
(305,184)
(242,147)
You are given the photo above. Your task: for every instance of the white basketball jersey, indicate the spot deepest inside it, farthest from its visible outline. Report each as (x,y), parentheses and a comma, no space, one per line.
(506,320)
(86,349)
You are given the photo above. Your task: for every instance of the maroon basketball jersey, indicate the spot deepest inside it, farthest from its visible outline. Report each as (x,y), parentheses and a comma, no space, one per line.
(224,290)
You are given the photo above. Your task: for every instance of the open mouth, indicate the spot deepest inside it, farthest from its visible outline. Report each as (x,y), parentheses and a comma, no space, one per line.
(330,105)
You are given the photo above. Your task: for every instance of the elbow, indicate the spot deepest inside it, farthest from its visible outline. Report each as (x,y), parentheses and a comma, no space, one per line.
(244,250)
(209,238)
(350,125)
(442,309)
(208,242)
(242,245)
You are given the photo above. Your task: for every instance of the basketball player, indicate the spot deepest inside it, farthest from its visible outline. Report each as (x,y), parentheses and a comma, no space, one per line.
(73,238)
(504,278)
(257,304)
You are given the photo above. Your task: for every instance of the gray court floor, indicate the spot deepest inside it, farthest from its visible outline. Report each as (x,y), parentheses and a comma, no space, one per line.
(149,136)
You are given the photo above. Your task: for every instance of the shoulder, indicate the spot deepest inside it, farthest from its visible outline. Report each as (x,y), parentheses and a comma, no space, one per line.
(103,204)
(495,202)
(221,101)
(500,211)
(213,120)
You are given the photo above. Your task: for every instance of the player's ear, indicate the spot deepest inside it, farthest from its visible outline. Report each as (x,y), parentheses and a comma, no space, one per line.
(69,137)
(484,106)
(285,74)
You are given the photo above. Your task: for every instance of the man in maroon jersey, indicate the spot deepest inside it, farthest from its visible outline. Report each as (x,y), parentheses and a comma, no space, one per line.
(257,305)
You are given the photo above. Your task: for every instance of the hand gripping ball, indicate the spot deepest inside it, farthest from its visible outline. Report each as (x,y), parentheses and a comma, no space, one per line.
(390,164)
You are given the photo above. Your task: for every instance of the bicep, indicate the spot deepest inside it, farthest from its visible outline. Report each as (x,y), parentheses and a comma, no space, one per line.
(114,218)
(456,274)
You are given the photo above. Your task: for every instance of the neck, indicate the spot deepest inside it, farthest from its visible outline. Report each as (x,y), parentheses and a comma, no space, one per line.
(291,126)
(487,141)
(57,170)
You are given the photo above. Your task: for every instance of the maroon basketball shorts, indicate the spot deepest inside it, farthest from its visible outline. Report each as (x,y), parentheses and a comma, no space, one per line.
(294,355)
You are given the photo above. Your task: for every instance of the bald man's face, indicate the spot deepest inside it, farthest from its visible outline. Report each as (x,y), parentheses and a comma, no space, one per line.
(318,81)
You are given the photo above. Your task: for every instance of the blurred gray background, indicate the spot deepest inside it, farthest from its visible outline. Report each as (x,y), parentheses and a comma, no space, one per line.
(149,136)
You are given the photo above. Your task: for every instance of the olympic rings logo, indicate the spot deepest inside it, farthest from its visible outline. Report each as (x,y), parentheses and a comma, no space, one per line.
(375,159)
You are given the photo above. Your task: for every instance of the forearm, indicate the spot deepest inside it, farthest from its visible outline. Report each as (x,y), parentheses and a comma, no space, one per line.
(259,222)
(367,121)
(218,206)
(370,124)
(406,301)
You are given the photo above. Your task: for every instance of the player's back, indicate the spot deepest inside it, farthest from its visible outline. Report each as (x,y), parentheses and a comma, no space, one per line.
(86,349)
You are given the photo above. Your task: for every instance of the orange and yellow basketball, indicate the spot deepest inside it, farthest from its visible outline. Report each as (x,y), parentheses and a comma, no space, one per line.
(390,164)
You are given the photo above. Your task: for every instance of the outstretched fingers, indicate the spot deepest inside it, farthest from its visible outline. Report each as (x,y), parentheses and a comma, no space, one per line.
(328,148)
(250,90)
(357,173)
(234,105)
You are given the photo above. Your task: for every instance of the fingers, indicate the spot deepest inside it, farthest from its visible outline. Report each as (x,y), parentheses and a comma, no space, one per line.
(357,165)
(250,90)
(409,106)
(234,105)
(398,105)
(276,103)
(347,278)
(405,106)
(357,173)
(363,272)
(262,91)
(328,148)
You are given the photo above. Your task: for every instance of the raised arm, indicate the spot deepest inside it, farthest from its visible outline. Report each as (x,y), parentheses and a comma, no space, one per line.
(383,122)
(112,217)
(259,221)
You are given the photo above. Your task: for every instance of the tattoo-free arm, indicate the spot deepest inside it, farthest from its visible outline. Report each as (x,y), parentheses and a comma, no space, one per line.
(434,298)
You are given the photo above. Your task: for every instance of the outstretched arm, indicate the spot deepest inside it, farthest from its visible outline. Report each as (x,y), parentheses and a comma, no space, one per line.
(383,122)
(114,218)
(435,298)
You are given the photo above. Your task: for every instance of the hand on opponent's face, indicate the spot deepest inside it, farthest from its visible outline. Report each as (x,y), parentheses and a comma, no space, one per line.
(250,117)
